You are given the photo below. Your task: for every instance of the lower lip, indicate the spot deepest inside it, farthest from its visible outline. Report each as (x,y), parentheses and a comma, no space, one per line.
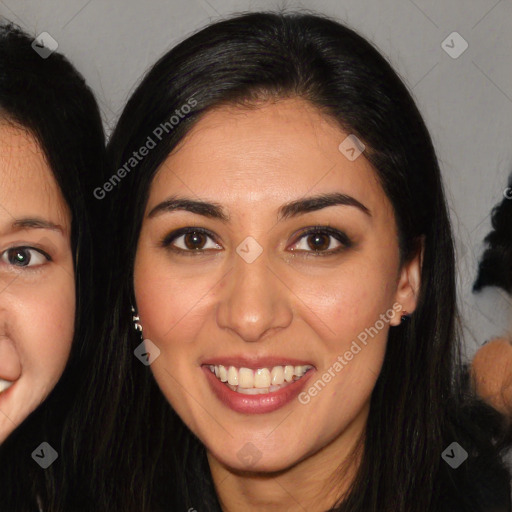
(255,404)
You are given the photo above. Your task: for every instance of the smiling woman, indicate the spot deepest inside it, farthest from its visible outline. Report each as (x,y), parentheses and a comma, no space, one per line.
(51,151)
(36,267)
(272,243)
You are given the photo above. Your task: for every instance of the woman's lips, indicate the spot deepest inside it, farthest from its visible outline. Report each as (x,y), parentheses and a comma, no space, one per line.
(255,397)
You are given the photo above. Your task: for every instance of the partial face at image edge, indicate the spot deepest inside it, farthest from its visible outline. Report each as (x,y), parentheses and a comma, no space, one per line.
(37,286)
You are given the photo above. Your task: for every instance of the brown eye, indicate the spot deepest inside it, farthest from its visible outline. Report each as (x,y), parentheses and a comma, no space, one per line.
(322,240)
(194,240)
(190,240)
(318,242)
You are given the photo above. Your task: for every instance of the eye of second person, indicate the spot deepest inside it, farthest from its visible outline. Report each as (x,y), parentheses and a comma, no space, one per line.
(23,257)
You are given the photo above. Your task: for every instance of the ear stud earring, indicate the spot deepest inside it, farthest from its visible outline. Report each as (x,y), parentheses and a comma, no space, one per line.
(136,321)
(405,316)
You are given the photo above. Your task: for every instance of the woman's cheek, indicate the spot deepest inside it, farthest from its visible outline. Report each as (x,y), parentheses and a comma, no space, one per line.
(347,305)
(169,303)
(49,317)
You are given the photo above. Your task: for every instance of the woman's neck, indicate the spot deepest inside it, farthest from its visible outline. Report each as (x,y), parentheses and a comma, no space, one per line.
(314,484)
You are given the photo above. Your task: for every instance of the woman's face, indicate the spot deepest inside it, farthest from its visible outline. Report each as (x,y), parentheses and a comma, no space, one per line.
(295,321)
(37,291)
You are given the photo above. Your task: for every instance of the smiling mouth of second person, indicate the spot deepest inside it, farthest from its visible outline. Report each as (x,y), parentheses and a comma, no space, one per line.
(5,385)
(261,381)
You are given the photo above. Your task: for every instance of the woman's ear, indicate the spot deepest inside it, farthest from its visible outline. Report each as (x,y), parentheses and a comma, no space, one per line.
(409,283)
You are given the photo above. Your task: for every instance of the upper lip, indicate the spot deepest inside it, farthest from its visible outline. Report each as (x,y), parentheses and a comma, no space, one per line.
(254,362)
(8,380)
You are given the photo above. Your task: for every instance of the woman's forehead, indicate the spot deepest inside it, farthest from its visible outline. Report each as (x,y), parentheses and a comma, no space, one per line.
(280,150)
(28,185)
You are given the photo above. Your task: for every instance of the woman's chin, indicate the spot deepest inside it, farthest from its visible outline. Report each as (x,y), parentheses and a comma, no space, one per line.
(250,459)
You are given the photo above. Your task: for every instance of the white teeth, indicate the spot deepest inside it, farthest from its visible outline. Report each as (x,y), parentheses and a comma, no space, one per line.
(245,378)
(223,374)
(262,380)
(233,376)
(299,371)
(5,384)
(253,391)
(277,375)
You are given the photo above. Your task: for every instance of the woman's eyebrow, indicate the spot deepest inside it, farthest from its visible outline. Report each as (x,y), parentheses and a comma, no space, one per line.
(288,210)
(313,203)
(206,209)
(35,223)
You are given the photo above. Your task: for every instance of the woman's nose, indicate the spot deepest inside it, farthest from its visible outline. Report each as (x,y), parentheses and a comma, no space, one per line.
(254,300)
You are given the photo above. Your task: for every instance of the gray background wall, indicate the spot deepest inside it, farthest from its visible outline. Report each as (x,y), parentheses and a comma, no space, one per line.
(466,101)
